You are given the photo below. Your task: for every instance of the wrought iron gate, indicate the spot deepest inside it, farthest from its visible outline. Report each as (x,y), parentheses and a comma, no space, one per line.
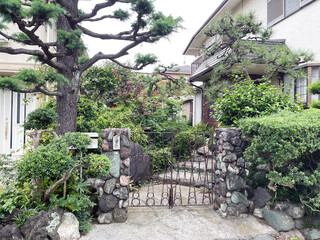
(182,170)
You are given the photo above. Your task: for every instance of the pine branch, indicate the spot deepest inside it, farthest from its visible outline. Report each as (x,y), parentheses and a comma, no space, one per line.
(64,178)
(126,35)
(95,10)
(100,18)
(112,57)
(41,56)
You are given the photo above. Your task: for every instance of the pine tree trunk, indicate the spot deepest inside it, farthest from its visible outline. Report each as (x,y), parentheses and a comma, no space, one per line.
(67,104)
(67,108)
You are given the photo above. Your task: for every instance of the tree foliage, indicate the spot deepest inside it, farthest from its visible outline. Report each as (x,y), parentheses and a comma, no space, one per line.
(314,88)
(247,99)
(243,44)
(65,54)
(40,118)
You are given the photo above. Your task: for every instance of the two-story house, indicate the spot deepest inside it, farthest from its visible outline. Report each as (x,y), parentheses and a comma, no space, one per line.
(14,107)
(295,22)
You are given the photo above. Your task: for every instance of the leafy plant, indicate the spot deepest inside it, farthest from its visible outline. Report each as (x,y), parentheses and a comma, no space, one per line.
(40,118)
(244,44)
(247,99)
(97,165)
(314,88)
(289,143)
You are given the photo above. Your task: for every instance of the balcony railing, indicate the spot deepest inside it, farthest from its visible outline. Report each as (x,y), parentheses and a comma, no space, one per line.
(196,64)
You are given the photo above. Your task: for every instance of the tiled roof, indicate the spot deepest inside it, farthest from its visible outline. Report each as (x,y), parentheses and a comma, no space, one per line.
(210,62)
(186,69)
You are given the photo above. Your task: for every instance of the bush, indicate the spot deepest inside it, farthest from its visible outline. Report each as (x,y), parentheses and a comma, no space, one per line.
(290,143)
(40,175)
(246,99)
(97,165)
(161,159)
(40,118)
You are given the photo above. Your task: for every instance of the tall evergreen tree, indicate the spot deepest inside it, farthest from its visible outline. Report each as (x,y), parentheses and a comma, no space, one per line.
(64,55)
(244,45)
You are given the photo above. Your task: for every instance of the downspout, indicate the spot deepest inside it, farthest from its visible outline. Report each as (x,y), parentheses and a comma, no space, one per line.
(194,105)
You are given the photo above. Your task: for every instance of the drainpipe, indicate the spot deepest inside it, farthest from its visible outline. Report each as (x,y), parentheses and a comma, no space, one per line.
(194,105)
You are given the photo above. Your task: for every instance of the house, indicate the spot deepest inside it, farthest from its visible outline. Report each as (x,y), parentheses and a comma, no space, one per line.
(291,23)
(14,107)
(175,73)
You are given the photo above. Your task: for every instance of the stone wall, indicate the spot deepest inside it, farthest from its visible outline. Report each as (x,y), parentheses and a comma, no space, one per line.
(114,194)
(230,173)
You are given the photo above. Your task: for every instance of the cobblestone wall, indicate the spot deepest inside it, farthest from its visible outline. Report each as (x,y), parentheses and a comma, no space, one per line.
(230,171)
(113,203)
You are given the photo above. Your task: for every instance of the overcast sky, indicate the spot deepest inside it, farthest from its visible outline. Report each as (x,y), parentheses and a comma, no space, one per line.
(194,14)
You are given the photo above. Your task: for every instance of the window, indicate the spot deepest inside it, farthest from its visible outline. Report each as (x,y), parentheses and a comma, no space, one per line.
(280,9)
(314,78)
(275,11)
(291,6)
(301,88)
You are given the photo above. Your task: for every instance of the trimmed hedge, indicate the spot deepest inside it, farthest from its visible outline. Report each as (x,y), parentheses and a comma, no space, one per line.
(290,142)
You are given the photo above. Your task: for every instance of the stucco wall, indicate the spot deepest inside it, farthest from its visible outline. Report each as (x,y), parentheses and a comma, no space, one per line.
(259,7)
(10,64)
(301,29)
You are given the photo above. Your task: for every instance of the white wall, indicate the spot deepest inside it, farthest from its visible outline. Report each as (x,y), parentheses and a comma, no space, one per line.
(259,7)
(9,65)
(197,108)
(14,141)
(302,29)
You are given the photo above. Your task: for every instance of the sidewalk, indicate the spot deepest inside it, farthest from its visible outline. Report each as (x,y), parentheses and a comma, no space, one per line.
(179,223)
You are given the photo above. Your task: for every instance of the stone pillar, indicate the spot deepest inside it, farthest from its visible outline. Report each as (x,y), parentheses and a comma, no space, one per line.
(230,172)
(113,203)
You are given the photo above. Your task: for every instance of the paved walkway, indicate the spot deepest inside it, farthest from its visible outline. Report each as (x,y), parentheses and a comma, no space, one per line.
(179,223)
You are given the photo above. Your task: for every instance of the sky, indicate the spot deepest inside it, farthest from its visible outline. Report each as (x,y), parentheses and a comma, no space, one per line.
(169,51)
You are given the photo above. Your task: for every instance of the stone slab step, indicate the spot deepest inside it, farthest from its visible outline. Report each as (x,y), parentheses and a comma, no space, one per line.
(186,179)
(197,166)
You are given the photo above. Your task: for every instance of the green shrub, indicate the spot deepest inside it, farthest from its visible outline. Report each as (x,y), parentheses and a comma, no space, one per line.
(37,187)
(246,99)
(97,165)
(160,158)
(40,118)
(314,88)
(315,104)
(290,142)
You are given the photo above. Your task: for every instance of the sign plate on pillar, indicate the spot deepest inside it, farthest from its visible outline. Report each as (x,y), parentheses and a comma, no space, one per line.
(116,142)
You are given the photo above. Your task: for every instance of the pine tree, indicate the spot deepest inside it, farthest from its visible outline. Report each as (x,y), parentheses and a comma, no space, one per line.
(65,55)
(245,44)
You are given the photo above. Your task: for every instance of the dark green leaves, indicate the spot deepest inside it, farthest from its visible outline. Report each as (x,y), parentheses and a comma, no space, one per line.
(30,78)
(40,118)
(246,99)
(142,7)
(8,83)
(164,25)
(145,59)
(314,88)
(121,14)
(10,7)
(45,11)
(72,40)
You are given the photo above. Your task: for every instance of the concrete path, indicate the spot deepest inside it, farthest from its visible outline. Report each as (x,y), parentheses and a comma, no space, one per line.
(179,223)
